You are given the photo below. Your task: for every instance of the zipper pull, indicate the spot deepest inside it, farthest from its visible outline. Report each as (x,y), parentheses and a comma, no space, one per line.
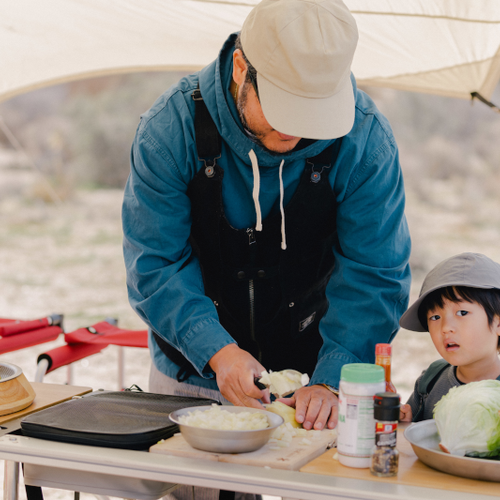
(251,236)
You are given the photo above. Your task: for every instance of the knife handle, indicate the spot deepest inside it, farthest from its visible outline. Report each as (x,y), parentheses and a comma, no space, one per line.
(259,384)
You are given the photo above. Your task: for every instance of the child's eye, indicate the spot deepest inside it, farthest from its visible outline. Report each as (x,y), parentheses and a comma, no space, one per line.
(462,313)
(434,317)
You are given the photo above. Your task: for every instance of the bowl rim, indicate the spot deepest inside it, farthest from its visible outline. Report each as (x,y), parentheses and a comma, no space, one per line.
(16,371)
(234,409)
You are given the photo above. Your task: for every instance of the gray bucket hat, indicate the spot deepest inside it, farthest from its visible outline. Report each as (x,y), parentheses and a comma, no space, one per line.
(466,269)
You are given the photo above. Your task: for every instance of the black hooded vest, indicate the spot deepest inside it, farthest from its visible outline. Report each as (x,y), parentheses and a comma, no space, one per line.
(269,300)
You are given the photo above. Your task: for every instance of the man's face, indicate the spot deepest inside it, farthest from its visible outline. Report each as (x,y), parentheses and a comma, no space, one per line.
(254,121)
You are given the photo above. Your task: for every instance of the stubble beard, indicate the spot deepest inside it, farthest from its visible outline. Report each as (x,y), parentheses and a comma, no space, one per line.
(241,103)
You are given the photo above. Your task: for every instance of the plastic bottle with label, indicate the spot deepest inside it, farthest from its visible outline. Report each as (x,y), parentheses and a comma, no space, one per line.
(359,382)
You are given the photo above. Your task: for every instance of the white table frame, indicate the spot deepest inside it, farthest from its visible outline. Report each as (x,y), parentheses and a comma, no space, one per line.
(15,449)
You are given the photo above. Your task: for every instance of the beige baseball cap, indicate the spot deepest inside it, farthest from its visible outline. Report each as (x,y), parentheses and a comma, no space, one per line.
(302,51)
(466,269)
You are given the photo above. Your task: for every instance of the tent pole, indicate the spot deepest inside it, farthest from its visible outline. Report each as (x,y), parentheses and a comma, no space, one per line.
(478,96)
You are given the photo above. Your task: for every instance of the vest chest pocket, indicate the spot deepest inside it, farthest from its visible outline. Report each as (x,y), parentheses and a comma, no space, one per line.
(306,314)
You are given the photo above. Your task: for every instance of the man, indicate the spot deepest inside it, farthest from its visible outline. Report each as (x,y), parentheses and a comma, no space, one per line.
(264,218)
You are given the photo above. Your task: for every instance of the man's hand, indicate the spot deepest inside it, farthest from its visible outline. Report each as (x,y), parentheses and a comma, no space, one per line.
(315,407)
(405,413)
(235,370)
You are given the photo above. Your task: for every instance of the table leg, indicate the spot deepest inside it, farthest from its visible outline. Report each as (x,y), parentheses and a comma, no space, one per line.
(11,480)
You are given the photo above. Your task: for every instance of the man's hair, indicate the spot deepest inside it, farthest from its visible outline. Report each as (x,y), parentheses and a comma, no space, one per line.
(251,71)
(488,298)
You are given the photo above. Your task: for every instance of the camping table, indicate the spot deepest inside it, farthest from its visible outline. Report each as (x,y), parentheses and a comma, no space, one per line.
(323,478)
(46,395)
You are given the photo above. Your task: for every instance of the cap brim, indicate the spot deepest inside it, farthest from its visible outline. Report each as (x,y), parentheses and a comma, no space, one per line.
(307,118)
(410,320)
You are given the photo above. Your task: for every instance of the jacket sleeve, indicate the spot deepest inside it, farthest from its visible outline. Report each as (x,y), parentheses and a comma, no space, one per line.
(369,288)
(164,279)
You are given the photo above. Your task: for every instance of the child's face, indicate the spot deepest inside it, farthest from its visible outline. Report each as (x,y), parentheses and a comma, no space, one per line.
(462,335)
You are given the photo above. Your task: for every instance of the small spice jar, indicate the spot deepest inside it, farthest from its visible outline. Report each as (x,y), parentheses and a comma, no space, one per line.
(385,456)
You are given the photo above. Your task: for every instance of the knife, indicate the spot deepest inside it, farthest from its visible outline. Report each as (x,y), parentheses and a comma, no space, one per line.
(259,384)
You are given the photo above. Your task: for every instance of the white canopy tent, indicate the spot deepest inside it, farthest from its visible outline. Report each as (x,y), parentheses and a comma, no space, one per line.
(444,47)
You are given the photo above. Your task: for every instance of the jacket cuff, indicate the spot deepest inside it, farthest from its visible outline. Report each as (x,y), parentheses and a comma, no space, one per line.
(328,369)
(202,342)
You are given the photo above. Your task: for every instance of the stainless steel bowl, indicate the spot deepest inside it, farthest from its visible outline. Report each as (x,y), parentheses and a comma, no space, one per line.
(223,441)
(424,439)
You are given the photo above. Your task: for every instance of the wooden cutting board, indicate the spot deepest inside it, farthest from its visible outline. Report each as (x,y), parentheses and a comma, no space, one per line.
(291,458)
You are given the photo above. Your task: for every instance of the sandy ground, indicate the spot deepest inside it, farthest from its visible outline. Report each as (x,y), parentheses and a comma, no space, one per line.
(67,258)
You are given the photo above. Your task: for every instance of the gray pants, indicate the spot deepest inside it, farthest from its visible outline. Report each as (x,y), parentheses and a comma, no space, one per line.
(161,384)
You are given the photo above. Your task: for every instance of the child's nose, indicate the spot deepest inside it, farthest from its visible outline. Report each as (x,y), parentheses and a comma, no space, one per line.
(448,324)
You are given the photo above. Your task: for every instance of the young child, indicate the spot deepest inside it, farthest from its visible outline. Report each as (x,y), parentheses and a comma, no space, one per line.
(459,305)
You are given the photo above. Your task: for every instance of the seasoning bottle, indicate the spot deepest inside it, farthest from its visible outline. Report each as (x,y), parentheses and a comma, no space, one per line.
(385,456)
(383,359)
(359,382)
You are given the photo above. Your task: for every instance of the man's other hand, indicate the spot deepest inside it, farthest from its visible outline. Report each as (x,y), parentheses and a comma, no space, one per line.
(235,370)
(315,407)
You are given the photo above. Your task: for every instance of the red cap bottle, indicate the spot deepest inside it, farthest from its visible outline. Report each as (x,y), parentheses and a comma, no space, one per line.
(383,358)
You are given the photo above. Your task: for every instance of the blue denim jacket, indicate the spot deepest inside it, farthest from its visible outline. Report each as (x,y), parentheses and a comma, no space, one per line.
(368,290)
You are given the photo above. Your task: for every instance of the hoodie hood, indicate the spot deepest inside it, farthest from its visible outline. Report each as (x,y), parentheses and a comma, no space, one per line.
(215,82)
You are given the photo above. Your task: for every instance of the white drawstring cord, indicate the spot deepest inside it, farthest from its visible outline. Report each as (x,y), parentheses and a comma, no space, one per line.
(255,195)
(282,195)
(256,189)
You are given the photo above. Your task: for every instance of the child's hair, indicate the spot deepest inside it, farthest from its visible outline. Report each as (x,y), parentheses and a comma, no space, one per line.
(489,298)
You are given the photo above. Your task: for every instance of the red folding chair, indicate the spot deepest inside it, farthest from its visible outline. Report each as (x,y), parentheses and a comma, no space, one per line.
(18,334)
(84,342)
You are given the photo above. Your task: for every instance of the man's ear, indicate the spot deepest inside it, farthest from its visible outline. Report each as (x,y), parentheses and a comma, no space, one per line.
(239,67)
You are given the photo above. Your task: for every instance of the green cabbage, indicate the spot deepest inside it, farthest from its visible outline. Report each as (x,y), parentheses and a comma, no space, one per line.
(468,419)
